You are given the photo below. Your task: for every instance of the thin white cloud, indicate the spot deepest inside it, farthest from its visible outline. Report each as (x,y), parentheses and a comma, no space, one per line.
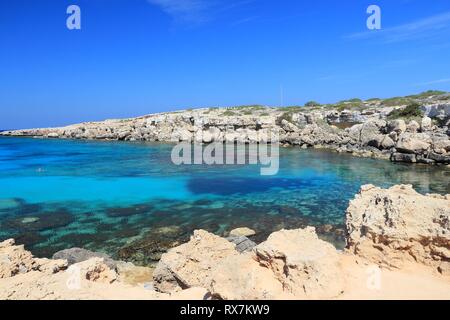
(185,10)
(426,28)
(429,83)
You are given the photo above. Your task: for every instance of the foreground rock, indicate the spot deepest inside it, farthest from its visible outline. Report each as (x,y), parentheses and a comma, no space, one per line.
(395,225)
(402,236)
(191,264)
(76,255)
(23,276)
(244,231)
(290,264)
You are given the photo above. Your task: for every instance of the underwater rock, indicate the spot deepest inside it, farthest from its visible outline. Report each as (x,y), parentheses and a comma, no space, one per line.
(148,250)
(243,231)
(128,211)
(38,222)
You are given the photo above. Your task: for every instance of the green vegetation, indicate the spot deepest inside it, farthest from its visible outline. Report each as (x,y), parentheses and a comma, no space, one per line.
(253,107)
(410,112)
(229,113)
(312,104)
(397,101)
(373,99)
(292,109)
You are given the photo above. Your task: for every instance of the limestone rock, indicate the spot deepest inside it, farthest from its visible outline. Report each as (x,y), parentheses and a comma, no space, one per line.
(75,255)
(413,127)
(426,124)
(305,265)
(243,244)
(388,226)
(403,157)
(413,143)
(190,264)
(398,126)
(15,259)
(96,270)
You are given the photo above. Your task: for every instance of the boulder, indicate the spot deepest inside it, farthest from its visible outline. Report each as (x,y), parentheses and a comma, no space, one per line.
(413,143)
(243,244)
(426,124)
(16,260)
(244,231)
(390,226)
(291,264)
(403,157)
(413,126)
(441,144)
(305,265)
(371,132)
(398,126)
(96,270)
(75,255)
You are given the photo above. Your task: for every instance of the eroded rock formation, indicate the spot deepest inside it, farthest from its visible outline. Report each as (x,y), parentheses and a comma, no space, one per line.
(389,228)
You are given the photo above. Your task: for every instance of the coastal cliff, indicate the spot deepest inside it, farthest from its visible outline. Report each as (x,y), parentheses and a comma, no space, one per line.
(395,236)
(412,129)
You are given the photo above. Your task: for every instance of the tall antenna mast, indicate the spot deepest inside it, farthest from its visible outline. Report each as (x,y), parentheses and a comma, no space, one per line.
(281,96)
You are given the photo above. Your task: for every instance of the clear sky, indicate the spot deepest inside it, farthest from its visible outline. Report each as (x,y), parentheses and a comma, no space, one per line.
(134,57)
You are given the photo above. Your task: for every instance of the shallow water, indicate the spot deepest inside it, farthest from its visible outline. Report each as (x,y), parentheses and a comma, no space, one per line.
(129,200)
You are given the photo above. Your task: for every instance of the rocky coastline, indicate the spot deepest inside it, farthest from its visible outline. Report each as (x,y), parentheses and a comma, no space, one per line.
(396,237)
(373,128)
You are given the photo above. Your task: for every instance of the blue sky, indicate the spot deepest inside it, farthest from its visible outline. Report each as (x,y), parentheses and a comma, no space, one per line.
(135,57)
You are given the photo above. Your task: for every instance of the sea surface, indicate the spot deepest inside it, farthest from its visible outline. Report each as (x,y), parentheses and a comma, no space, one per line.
(130,201)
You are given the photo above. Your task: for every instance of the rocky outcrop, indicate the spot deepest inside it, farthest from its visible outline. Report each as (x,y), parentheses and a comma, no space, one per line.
(243,244)
(367,131)
(389,226)
(76,255)
(23,276)
(292,263)
(304,265)
(14,259)
(190,264)
(243,231)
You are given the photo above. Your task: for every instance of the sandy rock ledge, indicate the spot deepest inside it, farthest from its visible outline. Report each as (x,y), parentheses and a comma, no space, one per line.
(396,234)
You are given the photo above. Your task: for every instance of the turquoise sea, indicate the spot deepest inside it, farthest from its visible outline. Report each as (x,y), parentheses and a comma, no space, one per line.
(130,201)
